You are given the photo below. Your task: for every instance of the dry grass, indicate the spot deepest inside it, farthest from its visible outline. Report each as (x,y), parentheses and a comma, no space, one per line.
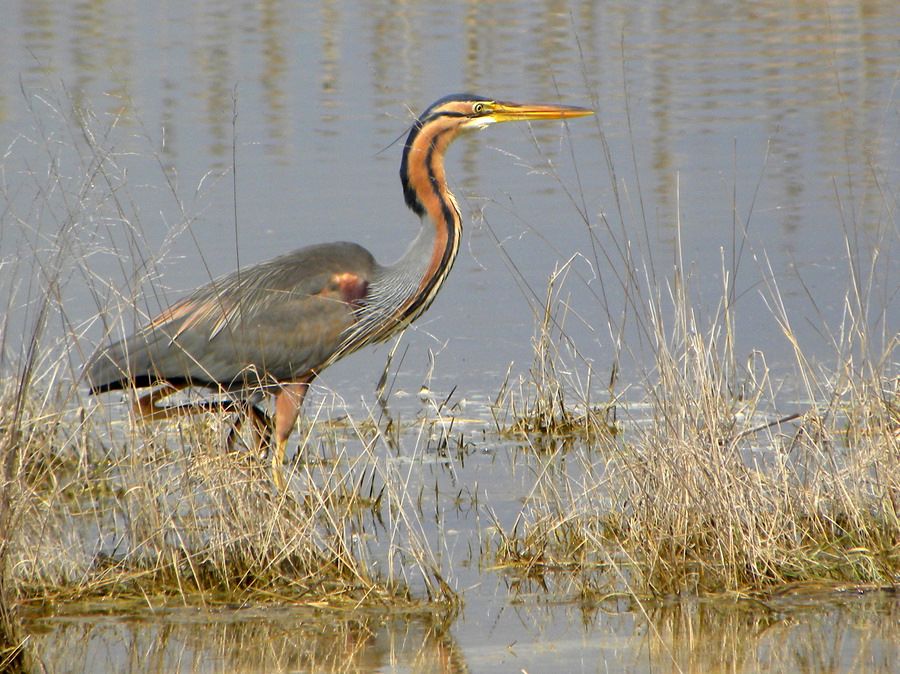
(704,485)
(702,476)
(539,406)
(169,512)
(714,498)
(710,487)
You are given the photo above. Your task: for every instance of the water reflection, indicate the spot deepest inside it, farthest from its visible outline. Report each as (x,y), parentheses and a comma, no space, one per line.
(804,86)
(824,633)
(219,34)
(276,640)
(688,66)
(858,634)
(272,75)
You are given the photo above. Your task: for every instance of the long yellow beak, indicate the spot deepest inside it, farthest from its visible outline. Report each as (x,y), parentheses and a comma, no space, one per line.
(511,112)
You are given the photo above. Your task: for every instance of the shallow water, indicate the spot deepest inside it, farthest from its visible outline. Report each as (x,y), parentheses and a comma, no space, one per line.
(855,633)
(761,139)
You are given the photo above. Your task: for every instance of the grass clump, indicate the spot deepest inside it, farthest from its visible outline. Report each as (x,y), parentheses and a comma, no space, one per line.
(709,473)
(172,515)
(541,406)
(721,492)
(716,482)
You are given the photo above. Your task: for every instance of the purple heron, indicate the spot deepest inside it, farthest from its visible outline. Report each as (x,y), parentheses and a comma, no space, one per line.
(269,329)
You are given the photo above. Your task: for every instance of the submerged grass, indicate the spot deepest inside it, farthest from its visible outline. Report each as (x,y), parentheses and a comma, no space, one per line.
(540,406)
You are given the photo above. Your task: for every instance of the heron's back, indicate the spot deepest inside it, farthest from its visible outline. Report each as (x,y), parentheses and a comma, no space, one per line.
(270,322)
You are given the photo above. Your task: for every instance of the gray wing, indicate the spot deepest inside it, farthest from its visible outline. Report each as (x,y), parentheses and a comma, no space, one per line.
(271,322)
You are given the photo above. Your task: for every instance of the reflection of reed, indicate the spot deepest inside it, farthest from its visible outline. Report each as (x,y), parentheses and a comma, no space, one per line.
(331,67)
(688,70)
(214,61)
(821,633)
(38,34)
(737,637)
(396,42)
(283,639)
(273,75)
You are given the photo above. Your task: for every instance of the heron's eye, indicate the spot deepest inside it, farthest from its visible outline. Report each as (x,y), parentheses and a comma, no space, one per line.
(478,108)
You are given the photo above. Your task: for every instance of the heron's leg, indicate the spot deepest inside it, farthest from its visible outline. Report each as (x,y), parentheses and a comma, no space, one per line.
(261,426)
(147,409)
(260,423)
(287,407)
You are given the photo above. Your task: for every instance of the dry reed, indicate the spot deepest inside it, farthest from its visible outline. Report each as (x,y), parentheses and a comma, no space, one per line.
(710,487)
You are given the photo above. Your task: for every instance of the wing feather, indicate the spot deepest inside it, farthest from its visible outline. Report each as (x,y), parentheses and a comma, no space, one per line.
(278,319)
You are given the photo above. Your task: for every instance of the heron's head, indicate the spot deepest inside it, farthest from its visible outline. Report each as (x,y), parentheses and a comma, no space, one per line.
(444,119)
(467,111)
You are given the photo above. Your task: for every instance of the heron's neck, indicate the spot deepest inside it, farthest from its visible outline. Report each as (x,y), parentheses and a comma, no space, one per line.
(405,289)
(434,251)
(417,276)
